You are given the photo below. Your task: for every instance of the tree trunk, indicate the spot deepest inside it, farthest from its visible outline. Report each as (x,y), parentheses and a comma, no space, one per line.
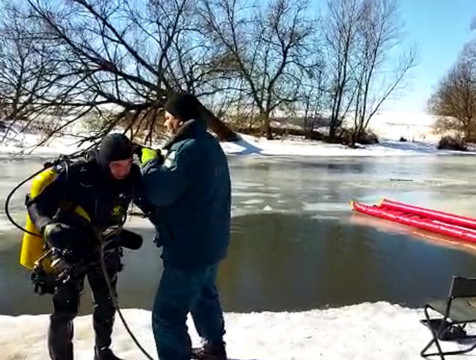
(333,129)
(222,130)
(267,127)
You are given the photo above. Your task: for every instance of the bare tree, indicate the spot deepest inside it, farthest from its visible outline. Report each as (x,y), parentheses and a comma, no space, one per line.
(312,102)
(454,101)
(378,32)
(119,61)
(263,46)
(341,34)
(188,60)
(26,71)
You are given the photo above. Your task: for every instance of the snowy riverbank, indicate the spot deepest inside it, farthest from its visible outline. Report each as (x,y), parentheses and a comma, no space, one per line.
(365,331)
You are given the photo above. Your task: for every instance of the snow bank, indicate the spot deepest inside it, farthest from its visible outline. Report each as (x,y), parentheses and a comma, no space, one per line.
(417,129)
(365,331)
(250,145)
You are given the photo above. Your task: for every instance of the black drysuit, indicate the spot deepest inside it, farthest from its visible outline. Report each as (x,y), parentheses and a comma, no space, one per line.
(86,184)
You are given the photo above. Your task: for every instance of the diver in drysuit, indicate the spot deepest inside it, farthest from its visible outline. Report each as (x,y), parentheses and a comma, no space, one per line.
(72,214)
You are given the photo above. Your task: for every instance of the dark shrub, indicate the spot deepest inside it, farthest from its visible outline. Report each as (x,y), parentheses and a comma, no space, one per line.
(452,143)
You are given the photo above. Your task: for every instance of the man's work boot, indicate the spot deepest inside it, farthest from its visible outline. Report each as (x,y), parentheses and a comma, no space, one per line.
(104,354)
(210,352)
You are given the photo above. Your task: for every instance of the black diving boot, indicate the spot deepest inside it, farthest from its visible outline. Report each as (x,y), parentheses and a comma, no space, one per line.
(104,354)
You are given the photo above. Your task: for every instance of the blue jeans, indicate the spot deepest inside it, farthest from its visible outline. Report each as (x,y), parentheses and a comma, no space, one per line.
(182,291)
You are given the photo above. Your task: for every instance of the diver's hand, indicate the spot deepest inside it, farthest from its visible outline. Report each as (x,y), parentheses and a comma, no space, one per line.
(57,235)
(69,240)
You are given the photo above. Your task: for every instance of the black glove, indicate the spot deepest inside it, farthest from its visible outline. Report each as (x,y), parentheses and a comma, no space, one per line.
(127,239)
(74,243)
(58,235)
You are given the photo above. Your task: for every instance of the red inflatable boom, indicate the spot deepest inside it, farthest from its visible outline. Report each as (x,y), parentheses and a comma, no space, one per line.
(459,227)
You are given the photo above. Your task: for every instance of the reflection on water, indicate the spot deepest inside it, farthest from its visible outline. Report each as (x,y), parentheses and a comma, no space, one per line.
(276,264)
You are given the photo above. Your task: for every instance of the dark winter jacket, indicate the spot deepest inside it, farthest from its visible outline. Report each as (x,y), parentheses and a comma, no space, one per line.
(191,193)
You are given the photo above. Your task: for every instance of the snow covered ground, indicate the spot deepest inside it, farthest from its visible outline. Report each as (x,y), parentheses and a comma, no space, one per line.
(365,331)
(250,145)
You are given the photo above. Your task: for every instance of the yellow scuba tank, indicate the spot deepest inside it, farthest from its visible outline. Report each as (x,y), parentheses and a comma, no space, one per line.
(33,250)
(33,247)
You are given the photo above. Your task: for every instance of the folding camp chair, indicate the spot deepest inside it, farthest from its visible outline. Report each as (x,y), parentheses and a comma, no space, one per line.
(458,310)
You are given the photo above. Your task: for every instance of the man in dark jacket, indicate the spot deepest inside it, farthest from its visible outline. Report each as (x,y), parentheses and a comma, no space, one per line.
(191,193)
(71,213)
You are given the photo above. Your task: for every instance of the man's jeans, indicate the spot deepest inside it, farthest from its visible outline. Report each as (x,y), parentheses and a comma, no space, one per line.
(182,291)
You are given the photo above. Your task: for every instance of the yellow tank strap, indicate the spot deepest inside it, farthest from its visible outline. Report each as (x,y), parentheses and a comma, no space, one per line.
(81,212)
(78,210)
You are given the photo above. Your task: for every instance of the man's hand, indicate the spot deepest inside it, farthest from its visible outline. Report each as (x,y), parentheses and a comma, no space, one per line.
(148,155)
(145,154)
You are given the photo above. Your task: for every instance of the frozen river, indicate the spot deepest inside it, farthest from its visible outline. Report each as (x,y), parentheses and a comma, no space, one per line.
(295,243)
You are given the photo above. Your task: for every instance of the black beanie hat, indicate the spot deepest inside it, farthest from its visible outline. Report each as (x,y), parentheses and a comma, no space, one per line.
(114,147)
(183,106)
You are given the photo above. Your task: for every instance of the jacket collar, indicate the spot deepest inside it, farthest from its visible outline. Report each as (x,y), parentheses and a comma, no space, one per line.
(189,129)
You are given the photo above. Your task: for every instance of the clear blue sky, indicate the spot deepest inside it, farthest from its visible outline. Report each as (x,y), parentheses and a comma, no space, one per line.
(440,28)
